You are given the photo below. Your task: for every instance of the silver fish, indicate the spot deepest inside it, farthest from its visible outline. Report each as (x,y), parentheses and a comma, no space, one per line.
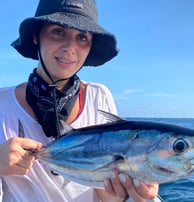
(151,152)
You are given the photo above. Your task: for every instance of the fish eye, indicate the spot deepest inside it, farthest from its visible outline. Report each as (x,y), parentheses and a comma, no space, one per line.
(180,146)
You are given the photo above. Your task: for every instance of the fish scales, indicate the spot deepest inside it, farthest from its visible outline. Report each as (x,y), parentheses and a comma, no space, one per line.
(149,151)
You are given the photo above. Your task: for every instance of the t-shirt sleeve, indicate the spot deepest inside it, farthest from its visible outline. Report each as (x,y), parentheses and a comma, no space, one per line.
(108,101)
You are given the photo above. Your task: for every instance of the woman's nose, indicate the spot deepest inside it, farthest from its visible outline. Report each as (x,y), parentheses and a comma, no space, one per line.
(69,45)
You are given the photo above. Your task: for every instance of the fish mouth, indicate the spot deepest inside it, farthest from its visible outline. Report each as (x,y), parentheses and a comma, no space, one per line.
(163,169)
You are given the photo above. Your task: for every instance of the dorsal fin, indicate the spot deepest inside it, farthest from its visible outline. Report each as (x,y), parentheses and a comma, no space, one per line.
(20,129)
(109,116)
(64,127)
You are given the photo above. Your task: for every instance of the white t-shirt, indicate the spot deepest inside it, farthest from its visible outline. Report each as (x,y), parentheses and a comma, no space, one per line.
(40,184)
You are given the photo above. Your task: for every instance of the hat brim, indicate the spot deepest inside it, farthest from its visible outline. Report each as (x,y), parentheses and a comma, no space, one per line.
(103,46)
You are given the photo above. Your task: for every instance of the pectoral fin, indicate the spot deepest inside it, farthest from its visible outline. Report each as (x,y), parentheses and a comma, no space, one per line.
(109,116)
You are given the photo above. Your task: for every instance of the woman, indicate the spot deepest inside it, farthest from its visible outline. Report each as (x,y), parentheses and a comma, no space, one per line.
(63,36)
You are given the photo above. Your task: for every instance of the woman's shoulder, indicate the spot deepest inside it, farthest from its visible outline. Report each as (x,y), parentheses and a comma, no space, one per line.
(93,87)
(6,93)
(7,100)
(100,96)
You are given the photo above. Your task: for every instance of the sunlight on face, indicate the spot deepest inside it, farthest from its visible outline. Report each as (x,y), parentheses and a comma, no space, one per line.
(63,50)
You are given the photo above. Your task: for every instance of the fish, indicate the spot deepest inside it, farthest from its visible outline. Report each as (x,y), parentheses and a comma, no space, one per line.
(152,152)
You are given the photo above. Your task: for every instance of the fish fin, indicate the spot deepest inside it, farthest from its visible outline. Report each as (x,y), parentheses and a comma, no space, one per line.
(87,175)
(114,160)
(64,127)
(109,116)
(92,164)
(89,179)
(20,129)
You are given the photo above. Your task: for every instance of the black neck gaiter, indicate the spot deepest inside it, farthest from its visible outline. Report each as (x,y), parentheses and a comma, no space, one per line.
(47,102)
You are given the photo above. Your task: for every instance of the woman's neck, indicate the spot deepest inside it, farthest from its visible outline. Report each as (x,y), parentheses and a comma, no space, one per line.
(61,84)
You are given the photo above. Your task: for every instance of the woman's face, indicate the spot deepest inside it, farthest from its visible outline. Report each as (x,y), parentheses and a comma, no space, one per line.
(63,50)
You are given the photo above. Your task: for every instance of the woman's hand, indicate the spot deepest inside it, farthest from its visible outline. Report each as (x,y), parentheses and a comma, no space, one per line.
(121,186)
(14,157)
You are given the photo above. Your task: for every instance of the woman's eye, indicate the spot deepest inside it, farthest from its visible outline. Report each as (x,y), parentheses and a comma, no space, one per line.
(83,37)
(58,32)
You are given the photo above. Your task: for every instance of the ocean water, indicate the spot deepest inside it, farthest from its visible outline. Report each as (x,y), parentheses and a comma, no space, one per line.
(180,190)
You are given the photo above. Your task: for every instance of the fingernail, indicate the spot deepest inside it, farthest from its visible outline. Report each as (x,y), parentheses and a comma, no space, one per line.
(112,175)
(136,182)
(122,178)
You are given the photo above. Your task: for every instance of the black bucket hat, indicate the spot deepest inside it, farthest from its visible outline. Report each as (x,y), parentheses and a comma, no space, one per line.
(76,14)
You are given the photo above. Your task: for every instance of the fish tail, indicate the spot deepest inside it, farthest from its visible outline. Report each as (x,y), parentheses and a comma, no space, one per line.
(39,154)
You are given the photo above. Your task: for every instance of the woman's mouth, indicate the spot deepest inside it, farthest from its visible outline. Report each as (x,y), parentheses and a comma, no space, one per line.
(63,61)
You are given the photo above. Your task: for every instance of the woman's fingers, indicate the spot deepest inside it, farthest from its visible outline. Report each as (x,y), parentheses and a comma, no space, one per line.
(138,190)
(130,188)
(114,187)
(147,191)
(119,189)
(14,157)
(122,186)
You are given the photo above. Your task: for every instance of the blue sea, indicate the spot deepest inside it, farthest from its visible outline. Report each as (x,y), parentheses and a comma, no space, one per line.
(180,190)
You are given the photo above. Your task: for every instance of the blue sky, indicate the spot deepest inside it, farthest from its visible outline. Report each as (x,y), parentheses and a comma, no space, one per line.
(153,74)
